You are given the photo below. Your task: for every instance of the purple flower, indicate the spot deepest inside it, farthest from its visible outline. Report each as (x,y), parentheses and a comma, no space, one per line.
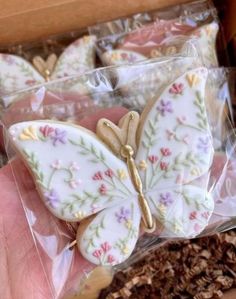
(204,144)
(166,199)
(52,198)
(122,215)
(8,59)
(132,58)
(164,107)
(58,136)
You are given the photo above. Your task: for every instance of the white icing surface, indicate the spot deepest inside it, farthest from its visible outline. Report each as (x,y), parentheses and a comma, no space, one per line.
(17,74)
(78,176)
(176,145)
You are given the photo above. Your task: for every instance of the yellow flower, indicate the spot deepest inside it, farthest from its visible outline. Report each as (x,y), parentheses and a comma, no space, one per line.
(80,215)
(115,56)
(29,134)
(192,79)
(195,171)
(125,250)
(208,30)
(129,224)
(162,210)
(177,227)
(86,39)
(142,165)
(122,174)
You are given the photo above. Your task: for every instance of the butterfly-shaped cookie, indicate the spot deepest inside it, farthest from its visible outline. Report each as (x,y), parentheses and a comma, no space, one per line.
(18,74)
(152,168)
(134,49)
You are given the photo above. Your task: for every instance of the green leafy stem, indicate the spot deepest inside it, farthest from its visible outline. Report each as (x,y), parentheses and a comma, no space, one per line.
(98,157)
(201,114)
(132,233)
(34,165)
(95,234)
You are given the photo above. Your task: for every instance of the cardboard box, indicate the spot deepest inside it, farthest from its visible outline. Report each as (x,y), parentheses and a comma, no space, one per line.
(27,20)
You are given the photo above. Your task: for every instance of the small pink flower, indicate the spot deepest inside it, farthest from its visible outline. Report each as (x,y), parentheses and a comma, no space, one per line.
(30,82)
(124,56)
(105,247)
(103,189)
(97,253)
(94,208)
(176,88)
(205,215)
(98,176)
(46,131)
(197,228)
(74,166)
(165,152)
(109,173)
(179,179)
(181,120)
(193,215)
(110,259)
(74,183)
(164,166)
(170,134)
(186,139)
(56,165)
(153,159)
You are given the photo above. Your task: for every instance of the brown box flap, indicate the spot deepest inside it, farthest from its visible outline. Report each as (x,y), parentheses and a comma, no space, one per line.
(26,20)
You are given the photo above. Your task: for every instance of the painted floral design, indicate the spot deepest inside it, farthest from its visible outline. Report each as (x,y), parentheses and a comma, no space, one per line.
(103,189)
(122,215)
(153,159)
(59,136)
(164,165)
(165,151)
(57,164)
(176,89)
(129,57)
(165,107)
(101,254)
(74,166)
(204,144)
(98,176)
(74,183)
(193,215)
(109,173)
(142,165)
(52,198)
(46,130)
(166,199)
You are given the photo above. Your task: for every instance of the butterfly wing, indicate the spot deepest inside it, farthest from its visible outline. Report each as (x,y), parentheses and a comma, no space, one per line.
(118,57)
(78,58)
(206,37)
(111,236)
(175,153)
(16,74)
(75,174)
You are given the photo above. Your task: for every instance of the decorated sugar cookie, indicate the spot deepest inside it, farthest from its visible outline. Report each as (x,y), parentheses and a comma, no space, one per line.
(17,74)
(150,43)
(145,170)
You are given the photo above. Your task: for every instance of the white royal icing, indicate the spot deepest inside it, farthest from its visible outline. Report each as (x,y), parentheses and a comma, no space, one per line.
(175,149)
(17,74)
(78,176)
